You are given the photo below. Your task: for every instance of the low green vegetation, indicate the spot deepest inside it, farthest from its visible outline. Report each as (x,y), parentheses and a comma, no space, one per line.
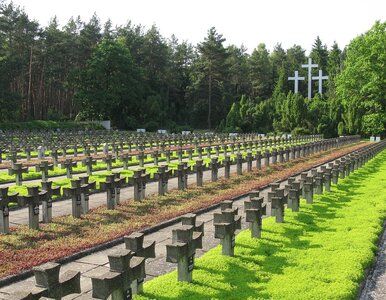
(45,124)
(319,253)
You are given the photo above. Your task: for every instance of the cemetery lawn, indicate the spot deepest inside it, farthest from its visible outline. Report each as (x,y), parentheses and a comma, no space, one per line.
(24,248)
(319,253)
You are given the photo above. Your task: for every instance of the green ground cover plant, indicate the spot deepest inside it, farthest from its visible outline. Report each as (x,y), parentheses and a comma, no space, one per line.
(319,253)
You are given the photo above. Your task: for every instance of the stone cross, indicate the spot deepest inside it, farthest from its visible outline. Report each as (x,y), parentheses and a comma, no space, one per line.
(135,243)
(199,169)
(49,284)
(182,175)
(88,162)
(278,204)
(74,192)
(239,163)
(5,199)
(109,186)
(249,161)
(319,181)
(33,199)
(296,79)
(141,158)
(18,170)
(109,160)
(85,188)
(309,66)
(255,209)
(226,223)
(185,241)
(190,219)
(119,183)
(267,154)
(293,196)
(44,167)
(47,201)
(139,180)
(320,79)
(214,166)
(124,269)
(258,159)
(54,155)
(68,164)
(227,166)
(155,156)
(125,158)
(308,188)
(162,175)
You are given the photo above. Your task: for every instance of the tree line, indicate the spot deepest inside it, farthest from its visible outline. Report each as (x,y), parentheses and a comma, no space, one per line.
(139,79)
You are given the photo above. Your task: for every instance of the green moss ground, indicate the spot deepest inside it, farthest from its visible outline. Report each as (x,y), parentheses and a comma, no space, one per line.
(319,253)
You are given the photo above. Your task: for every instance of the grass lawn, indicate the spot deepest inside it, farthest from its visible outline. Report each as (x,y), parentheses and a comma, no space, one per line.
(319,253)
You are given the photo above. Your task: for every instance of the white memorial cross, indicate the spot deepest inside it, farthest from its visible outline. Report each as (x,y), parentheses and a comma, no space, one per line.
(309,66)
(296,78)
(320,78)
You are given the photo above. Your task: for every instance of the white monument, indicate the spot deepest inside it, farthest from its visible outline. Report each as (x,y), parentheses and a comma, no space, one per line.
(296,78)
(320,78)
(309,66)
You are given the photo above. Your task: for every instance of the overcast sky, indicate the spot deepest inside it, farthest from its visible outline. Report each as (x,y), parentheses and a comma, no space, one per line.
(247,22)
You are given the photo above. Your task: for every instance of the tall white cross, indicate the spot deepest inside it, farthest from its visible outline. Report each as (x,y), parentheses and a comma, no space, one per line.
(320,78)
(296,78)
(309,66)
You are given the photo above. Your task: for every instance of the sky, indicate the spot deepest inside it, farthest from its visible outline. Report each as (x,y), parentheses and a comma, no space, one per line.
(247,22)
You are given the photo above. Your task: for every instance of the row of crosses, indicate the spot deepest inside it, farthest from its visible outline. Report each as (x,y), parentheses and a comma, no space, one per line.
(320,78)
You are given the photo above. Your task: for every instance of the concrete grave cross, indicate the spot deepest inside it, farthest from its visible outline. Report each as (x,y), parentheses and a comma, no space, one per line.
(52,285)
(227,166)
(185,241)
(17,169)
(5,199)
(239,163)
(108,160)
(155,156)
(12,156)
(293,200)
(135,243)
(109,186)
(88,162)
(255,209)
(141,158)
(182,174)
(33,199)
(47,201)
(139,180)
(214,166)
(54,155)
(74,192)
(162,175)
(258,159)
(308,188)
(125,158)
(199,169)
(68,164)
(190,219)
(117,282)
(249,159)
(278,204)
(120,182)
(226,223)
(85,188)
(44,166)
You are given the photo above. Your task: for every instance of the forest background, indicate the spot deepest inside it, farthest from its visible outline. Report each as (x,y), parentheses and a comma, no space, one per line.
(136,78)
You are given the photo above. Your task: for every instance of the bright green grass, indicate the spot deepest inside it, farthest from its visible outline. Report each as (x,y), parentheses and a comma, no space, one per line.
(319,253)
